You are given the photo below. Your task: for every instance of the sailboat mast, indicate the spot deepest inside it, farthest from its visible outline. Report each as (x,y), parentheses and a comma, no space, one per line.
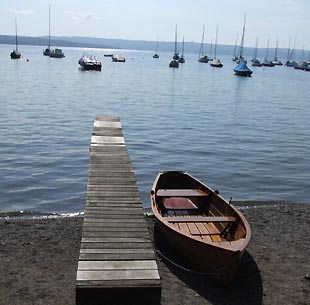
(176,38)
(256,46)
(276,52)
(242,39)
(235,48)
(266,58)
(289,48)
(202,42)
(215,43)
(183,46)
(49,26)
(16,42)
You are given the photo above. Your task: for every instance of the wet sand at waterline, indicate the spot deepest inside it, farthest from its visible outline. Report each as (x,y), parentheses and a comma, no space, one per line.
(39,262)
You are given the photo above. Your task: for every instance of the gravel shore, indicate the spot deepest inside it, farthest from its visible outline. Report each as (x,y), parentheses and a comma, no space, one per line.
(39,262)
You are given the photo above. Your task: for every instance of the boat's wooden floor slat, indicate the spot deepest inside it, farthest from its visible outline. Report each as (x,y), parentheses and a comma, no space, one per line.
(116,253)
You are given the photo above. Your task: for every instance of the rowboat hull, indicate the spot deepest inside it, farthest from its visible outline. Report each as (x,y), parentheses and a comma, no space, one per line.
(214,253)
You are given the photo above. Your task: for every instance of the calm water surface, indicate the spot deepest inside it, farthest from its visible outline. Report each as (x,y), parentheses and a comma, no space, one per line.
(247,137)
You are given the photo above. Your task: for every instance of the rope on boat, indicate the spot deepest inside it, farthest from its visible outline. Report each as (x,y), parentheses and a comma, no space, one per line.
(216,273)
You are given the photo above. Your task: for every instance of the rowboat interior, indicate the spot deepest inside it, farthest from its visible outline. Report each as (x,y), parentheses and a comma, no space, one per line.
(199,213)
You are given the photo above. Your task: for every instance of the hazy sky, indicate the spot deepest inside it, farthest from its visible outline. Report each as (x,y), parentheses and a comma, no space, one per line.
(144,19)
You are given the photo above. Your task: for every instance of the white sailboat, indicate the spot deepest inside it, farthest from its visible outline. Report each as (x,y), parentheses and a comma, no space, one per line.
(216,61)
(267,62)
(275,61)
(202,58)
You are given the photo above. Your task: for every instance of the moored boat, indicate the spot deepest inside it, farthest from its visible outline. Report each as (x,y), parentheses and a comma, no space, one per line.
(255,61)
(202,57)
(118,58)
(181,59)
(276,61)
(156,52)
(174,64)
(203,227)
(242,69)
(15,54)
(48,50)
(216,61)
(90,63)
(57,53)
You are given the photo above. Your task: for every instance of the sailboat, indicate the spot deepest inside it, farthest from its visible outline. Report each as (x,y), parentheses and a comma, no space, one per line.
(15,54)
(181,60)
(302,65)
(267,63)
(156,53)
(290,53)
(174,62)
(47,51)
(275,61)
(235,57)
(57,52)
(202,58)
(176,52)
(255,61)
(216,61)
(242,69)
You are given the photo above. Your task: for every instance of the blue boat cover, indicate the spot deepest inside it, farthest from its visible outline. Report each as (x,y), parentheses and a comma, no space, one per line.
(242,67)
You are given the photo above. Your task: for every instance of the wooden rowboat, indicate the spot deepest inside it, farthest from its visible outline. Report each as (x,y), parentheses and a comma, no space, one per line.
(208,231)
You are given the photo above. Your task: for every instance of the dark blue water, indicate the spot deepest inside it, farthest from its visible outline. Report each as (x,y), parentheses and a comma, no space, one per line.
(247,137)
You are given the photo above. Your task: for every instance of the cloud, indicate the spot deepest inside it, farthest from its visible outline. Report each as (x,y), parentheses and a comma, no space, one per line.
(21,11)
(86,16)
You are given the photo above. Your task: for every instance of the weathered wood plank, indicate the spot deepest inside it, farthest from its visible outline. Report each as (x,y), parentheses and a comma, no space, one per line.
(125,245)
(117,275)
(116,256)
(117,265)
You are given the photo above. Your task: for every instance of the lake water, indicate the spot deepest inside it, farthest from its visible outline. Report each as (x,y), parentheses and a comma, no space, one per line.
(247,137)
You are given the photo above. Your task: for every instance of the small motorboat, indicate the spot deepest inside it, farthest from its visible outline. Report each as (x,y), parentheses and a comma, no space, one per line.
(208,231)
(118,58)
(57,53)
(90,63)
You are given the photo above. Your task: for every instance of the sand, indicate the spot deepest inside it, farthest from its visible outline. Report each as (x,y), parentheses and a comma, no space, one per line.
(38,262)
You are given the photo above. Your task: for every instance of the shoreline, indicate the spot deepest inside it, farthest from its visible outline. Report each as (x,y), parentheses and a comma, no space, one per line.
(39,261)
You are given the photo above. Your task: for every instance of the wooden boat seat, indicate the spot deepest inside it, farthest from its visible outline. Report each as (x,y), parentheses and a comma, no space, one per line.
(202,219)
(179,203)
(180,192)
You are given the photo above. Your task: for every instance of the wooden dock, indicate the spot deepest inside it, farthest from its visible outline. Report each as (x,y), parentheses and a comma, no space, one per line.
(117,261)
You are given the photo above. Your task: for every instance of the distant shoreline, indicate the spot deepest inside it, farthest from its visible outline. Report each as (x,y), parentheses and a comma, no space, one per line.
(142,45)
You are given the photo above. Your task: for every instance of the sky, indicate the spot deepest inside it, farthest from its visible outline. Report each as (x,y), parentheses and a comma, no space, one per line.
(145,19)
